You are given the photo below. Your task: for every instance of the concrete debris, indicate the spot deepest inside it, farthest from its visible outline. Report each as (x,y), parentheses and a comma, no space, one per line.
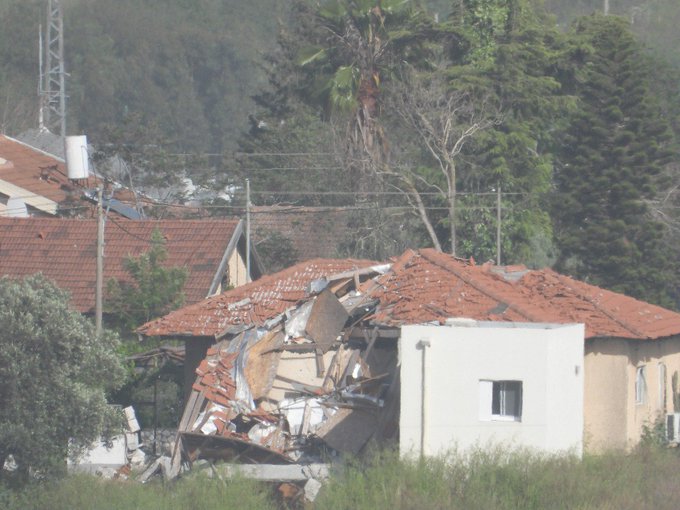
(113,457)
(161,464)
(284,394)
(274,472)
(132,424)
(312,488)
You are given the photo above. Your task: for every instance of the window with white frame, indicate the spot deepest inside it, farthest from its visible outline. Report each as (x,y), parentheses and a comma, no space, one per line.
(640,385)
(500,400)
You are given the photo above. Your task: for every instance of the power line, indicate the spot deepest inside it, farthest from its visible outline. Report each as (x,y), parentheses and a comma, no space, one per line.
(326,193)
(297,168)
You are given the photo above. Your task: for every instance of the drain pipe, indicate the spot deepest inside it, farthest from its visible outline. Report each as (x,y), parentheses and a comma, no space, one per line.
(423,345)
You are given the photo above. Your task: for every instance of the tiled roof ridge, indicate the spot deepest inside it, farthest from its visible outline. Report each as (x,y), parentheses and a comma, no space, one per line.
(573,284)
(246,290)
(446,264)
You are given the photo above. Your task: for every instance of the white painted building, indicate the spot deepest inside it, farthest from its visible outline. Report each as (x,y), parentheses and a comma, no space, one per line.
(472,383)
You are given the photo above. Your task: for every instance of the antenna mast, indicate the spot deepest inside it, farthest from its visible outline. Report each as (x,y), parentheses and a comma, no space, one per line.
(53,103)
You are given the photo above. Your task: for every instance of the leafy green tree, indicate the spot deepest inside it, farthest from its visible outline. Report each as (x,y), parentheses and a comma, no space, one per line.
(54,373)
(609,166)
(486,100)
(18,64)
(519,68)
(153,291)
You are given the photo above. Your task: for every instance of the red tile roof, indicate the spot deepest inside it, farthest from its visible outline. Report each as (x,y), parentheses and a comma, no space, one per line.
(40,173)
(252,303)
(428,286)
(432,286)
(64,250)
(44,175)
(314,232)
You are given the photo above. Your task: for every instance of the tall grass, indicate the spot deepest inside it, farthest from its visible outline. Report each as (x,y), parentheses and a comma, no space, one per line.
(491,478)
(498,478)
(90,493)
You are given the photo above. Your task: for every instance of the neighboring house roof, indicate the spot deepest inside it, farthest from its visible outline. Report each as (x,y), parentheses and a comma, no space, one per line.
(40,180)
(33,175)
(64,251)
(252,303)
(314,232)
(429,286)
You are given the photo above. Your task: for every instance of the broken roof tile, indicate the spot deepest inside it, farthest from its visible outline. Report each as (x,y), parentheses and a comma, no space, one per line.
(268,297)
(427,285)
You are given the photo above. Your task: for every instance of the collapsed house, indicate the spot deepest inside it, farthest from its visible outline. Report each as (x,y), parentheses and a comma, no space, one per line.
(294,376)
(302,385)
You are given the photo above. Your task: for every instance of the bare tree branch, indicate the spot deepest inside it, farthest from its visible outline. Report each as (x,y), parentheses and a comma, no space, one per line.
(444,121)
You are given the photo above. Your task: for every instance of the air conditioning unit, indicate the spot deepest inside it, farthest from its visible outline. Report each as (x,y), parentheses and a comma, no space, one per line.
(673,427)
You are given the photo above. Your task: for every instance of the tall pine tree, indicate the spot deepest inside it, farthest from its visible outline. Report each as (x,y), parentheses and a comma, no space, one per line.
(609,167)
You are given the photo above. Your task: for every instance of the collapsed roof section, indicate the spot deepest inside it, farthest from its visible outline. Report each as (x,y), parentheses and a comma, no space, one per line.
(294,388)
(256,302)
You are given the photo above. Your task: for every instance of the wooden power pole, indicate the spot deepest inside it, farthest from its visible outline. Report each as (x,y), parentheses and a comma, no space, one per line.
(100,261)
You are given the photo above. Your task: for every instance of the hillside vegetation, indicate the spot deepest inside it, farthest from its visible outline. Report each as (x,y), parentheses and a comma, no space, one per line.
(414,115)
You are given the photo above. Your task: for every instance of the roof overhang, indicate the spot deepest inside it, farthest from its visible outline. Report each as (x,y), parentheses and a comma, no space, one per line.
(39,202)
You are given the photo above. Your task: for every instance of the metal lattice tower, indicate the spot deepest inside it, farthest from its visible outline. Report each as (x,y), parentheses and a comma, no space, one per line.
(53,95)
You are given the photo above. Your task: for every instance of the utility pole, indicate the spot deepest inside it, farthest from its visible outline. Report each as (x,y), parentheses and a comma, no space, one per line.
(248,230)
(54,92)
(498,226)
(100,261)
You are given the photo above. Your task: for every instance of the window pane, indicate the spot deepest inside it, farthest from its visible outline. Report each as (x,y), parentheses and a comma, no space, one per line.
(496,399)
(513,398)
(507,398)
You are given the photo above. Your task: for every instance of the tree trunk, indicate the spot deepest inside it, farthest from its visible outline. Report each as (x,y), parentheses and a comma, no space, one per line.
(452,207)
(422,211)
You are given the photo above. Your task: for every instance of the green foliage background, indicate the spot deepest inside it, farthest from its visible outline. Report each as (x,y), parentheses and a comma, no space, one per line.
(301,90)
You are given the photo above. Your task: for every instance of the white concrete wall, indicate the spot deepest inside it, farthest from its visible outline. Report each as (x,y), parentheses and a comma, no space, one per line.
(547,358)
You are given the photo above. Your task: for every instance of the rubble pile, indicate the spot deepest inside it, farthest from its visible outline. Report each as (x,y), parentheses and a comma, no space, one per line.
(293,390)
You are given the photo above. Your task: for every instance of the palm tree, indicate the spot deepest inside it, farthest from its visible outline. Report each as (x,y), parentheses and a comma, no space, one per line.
(356,52)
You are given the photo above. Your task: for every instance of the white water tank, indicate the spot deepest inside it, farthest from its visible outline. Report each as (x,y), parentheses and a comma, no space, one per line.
(77,161)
